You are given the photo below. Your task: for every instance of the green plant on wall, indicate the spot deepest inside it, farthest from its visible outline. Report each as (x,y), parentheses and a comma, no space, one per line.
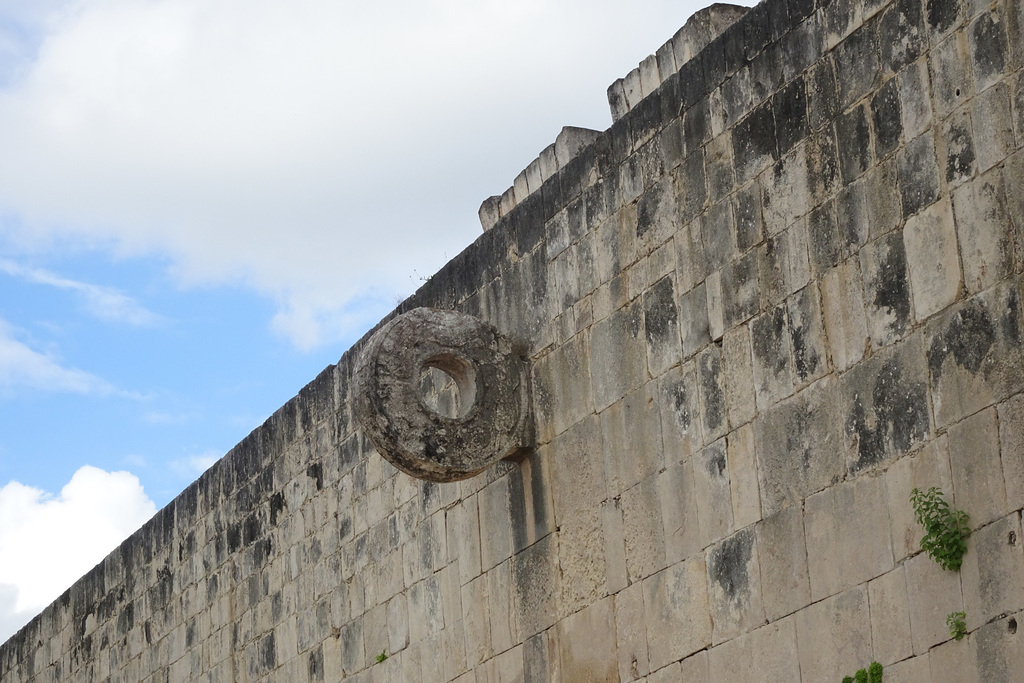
(382,656)
(872,674)
(946,531)
(957,625)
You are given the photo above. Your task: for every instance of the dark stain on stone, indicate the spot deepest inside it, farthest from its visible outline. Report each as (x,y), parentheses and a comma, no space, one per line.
(989,43)
(316,664)
(900,417)
(959,151)
(677,394)
(767,336)
(968,336)
(660,314)
(729,566)
(1010,320)
(716,461)
(942,14)
(277,506)
(714,398)
(806,358)
(887,118)
(892,292)
(315,471)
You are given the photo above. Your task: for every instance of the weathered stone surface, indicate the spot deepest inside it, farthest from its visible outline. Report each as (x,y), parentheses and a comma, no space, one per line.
(834,636)
(922,470)
(801,447)
(975,352)
(734,586)
(932,258)
(993,572)
(676,606)
(842,305)
(782,552)
(932,593)
(762,655)
(976,467)
(494,419)
(890,617)
(586,644)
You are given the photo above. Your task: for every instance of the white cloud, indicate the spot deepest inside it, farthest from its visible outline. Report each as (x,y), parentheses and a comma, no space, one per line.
(317,151)
(105,303)
(47,542)
(21,366)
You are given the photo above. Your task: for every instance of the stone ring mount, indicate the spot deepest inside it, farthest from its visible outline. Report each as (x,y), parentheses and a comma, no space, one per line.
(492,379)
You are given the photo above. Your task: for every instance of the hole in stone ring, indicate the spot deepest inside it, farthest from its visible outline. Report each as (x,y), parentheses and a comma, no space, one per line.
(448,385)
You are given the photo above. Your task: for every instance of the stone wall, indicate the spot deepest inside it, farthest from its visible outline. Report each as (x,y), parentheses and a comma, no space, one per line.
(782,290)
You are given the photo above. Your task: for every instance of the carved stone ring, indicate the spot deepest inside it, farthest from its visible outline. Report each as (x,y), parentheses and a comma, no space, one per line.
(492,381)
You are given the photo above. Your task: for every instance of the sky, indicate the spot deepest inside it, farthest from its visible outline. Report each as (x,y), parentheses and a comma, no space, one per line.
(203,203)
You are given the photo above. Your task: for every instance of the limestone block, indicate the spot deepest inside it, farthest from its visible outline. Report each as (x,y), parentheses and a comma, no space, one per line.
(398,623)
(562,387)
(716,310)
(754,143)
(742,461)
(950,74)
(734,586)
(650,79)
(993,572)
(676,608)
(915,103)
(956,148)
(666,61)
(883,199)
(1011,442)
(842,305)
(771,342)
(885,405)
(782,553)
(678,402)
(801,446)
(496,543)
(642,528)
(975,353)
(691,267)
(463,528)
(539,661)
(976,467)
(631,633)
(694,327)
(614,545)
(983,231)
(631,439)
(711,386)
(740,290)
(739,375)
(656,213)
(787,190)
(713,493)
(721,177)
(886,282)
(918,174)
(520,187)
(536,582)
(931,249)
(679,515)
(834,636)
(579,477)
(763,655)
(502,608)
(490,212)
(783,264)
(913,670)
(617,100)
(581,558)
(619,358)
(661,325)
(844,545)
(922,470)
(586,644)
(999,650)
(890,617)
(631,85)
(932,594)
(807,335)
(476,621)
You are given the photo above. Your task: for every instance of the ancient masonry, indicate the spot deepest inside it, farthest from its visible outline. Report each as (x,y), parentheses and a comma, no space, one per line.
(734,331)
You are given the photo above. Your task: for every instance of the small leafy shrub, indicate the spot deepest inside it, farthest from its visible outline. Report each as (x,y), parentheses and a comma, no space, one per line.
(382,656)
(873,674)
(956,621)
(946,531)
